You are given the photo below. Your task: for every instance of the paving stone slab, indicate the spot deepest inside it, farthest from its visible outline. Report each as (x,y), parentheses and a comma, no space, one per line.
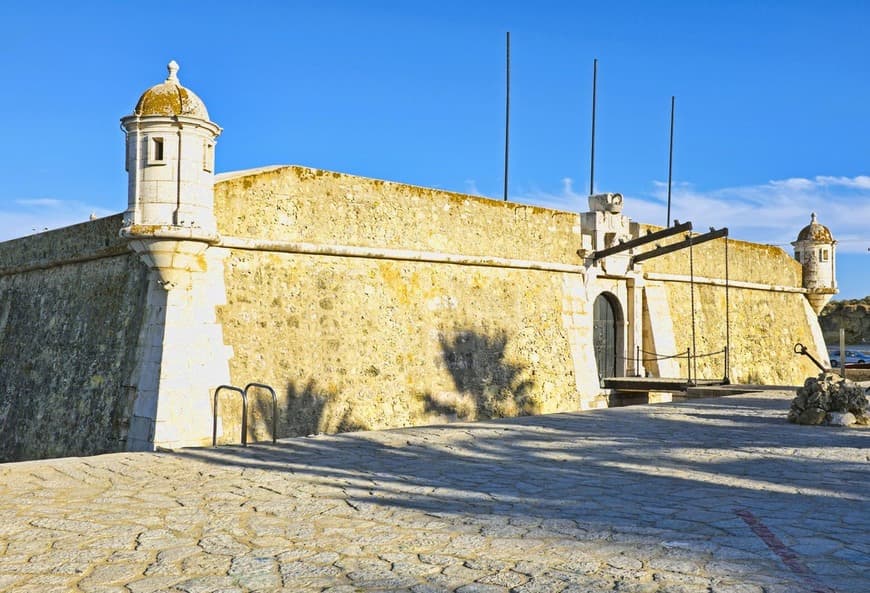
(719,495)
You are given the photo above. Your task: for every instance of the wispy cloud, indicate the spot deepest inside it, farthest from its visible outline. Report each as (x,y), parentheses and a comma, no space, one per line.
(566,199)
(771,212)
(26,216)
(37,202)
(471,188)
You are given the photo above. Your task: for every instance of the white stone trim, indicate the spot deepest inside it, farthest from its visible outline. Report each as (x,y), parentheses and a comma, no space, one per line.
(246,172)
(721,282)
(396,254)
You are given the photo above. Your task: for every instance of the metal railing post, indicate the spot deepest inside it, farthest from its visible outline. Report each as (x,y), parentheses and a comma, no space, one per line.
(274,406)
(244,414)
(689,364)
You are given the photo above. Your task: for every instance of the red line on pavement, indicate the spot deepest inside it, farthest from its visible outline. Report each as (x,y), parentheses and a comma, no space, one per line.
(788,556)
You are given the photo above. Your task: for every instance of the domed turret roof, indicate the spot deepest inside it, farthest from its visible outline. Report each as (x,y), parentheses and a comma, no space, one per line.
(815,232)
(170,98)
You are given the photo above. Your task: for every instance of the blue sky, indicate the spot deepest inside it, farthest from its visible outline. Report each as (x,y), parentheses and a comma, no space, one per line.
(773,103)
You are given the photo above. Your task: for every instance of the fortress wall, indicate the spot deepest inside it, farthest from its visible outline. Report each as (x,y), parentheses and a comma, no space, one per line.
(747,262)
(765,323)
(87,240)
(68,334)
(353,342)
(764,329)
(356,342)
(299,204)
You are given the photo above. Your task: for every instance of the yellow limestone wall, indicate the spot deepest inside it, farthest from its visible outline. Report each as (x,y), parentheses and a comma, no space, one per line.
(334,289)
(356,342)
(764,324)
(352,343)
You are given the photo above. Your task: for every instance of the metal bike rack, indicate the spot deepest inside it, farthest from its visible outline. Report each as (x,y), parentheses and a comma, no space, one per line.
(801,349)
(244,413)
(274,406)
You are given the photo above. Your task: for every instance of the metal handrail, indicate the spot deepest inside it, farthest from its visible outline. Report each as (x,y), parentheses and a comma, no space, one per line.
(244,414)
(690,358)
(274,406)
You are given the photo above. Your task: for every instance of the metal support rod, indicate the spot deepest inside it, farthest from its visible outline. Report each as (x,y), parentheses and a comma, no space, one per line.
(670,162)
(689,365)
(648,238)
(696,240)
(592,152)
(507,111)
(692,291)
(727,380)
(274,406)
(244,414)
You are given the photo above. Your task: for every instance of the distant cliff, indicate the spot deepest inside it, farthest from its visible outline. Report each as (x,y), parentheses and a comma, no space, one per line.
(853,316)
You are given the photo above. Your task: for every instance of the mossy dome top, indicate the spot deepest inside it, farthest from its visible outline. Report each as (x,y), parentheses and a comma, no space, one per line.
(815,232)
(170,98)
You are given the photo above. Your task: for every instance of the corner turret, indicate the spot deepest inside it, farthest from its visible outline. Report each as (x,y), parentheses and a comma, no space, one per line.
(815,249)
(170,165)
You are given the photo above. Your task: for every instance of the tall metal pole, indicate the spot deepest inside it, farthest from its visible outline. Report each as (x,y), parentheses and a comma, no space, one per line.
(694,361)
(594,96)
(727,379)
(670,163)
(507,111)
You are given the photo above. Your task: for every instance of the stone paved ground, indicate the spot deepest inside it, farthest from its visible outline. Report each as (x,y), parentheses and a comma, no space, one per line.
(718,495)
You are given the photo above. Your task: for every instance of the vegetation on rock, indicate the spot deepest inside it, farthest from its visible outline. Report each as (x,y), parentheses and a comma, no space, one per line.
(852,315)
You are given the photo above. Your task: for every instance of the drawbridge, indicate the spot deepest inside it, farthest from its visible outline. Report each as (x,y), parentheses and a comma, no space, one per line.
(639,389)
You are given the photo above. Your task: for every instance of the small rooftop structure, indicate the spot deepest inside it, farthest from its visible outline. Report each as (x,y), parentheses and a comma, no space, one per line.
(815,231)
(170,98)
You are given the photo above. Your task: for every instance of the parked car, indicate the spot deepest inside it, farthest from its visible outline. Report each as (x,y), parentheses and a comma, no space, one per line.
(852,357)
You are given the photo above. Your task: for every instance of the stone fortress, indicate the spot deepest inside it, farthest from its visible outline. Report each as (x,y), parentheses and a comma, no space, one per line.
(366,304)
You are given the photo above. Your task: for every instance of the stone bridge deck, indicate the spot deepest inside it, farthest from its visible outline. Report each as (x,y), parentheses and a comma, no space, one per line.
(717,495)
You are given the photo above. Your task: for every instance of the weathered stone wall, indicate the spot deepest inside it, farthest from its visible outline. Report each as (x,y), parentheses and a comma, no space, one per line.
(68,335)
(366,304)
(364,344)
(764,324)
(311,205)
(373,343)
(747,262)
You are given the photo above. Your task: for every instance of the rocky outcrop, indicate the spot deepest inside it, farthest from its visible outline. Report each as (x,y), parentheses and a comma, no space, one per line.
(827,399)
(853,316)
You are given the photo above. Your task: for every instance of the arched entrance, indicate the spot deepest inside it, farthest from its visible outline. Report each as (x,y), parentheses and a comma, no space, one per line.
(605,334)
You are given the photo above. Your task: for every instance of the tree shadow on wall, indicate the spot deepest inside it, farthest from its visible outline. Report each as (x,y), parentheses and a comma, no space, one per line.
(302,410)
(487,385)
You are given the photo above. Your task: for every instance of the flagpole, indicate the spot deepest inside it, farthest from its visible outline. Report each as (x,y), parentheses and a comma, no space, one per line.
(592,156)
(670,163)
(507,110)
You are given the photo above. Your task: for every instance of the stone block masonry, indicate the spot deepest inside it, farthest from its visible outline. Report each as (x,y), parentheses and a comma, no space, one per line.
(70,314)
(362,302)
(365,304)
